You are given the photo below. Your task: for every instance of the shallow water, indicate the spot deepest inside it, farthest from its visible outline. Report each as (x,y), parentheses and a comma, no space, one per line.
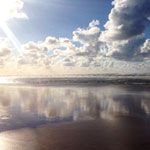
(75,117)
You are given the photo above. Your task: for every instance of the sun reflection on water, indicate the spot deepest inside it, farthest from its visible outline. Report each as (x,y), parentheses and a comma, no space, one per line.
(18,140)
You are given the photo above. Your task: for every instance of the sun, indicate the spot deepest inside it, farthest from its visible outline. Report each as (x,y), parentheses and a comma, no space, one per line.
(6,9)
(10,9)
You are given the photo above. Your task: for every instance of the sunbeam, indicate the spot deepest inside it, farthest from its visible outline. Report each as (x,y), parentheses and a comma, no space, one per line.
(11,37)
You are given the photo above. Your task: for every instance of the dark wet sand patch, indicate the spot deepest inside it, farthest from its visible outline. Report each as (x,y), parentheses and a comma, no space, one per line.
(119,134)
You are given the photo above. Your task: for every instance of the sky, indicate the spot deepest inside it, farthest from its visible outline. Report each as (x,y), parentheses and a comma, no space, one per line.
(74,37)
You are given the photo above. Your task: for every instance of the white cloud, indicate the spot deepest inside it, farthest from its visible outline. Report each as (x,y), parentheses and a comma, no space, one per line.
(5,51)
(94,23)
(87,51)
(125,28)
(90,34)
(127,19)
(146,47)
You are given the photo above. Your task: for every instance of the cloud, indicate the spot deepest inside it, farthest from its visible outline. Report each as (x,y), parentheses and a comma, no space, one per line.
(125,28)
(5,51)
(94,23)
(146,47)
(91,47)
(123,39)
(91,34)
(5,48)
(84,50)
(16,10)
(126,50)
(127,19)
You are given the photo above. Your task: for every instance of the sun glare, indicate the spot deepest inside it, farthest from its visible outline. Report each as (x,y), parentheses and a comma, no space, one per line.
(6,80)
(8,9)
(11,36)
(3,80)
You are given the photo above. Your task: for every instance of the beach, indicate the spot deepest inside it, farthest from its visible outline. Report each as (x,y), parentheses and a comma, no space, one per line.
(107,117)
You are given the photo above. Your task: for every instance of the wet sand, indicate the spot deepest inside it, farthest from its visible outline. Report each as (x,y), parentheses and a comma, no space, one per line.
(120,134)
(75,118)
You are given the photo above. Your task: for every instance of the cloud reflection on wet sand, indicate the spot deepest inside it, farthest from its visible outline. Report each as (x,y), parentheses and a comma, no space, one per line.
(32,106)
(90,118)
